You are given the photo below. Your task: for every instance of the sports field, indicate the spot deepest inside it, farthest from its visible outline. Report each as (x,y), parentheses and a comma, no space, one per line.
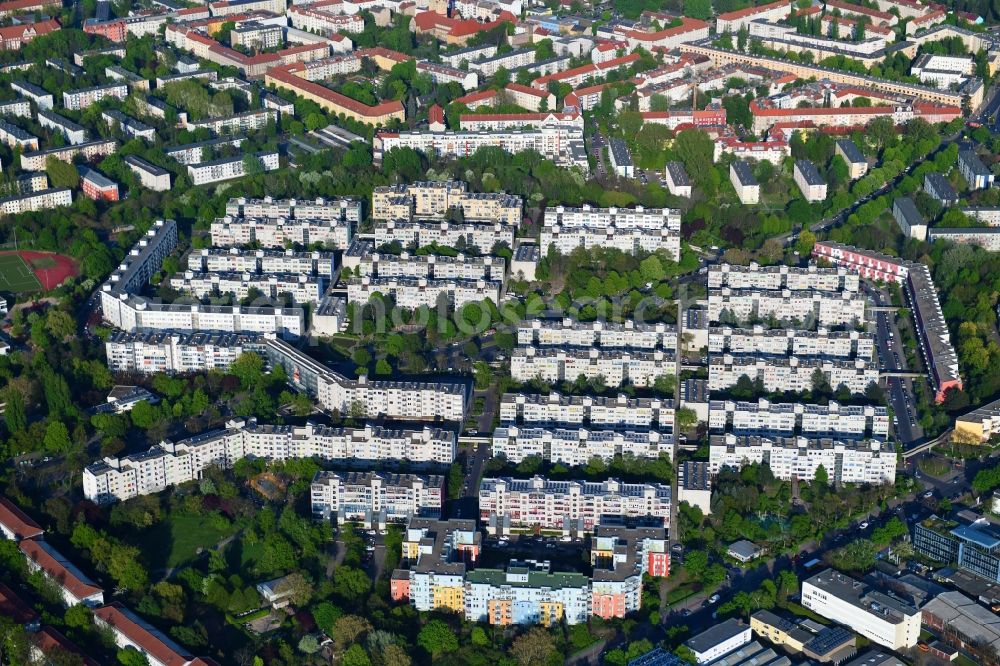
(15,274)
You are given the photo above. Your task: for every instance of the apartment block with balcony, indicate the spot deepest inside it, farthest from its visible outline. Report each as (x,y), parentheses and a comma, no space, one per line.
(611,412)
(845,461)
(615,367)
(577,446)
(375,499)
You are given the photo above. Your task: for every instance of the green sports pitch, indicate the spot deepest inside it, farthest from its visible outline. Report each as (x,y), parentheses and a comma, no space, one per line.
(16,276)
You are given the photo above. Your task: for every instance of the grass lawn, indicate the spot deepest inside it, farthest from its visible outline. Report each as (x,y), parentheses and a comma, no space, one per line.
(16,276)
(176,540)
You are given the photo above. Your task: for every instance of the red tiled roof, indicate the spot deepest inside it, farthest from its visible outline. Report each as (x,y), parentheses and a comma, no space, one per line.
(122,619)
(13,607)
(475,97)
(750,11)
(428,20)
(21,5)
(45,556)
(928,17)
(687,25)
(379,51)
(48,639)
(40,28)
(17,521)
(527,90)
(584,70)
(523,117)
(435,114)
(385,108)
(850,7)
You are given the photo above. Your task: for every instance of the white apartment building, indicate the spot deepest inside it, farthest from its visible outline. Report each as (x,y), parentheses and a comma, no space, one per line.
(735,20)
(882,619)
(40,200)
(617,367)
(627,229)
(788,419)
(193,153)
(271,286)
(562,144)
(413,292)
(576,446)
(39,96)
(277,232)
(468,55)
(434,199)
(489,66)
(249,121)
(73,133)
(228,168)
(391,399)
(792,373)
(791,342)
(129,126)
(32,182)
(487,10)
(442,74)
(340,209)
(76,100)
(810,183)
(254,35)
(222,260)
(323,22)
(942,71)
(746,186)
(15,137)
(604,334)
(74,586)
(330,316)
(504,121)
(559,505)
(807,307)
(168,464)
(375,498)
(845,461)
(620,412)
(150,176)
(138,314)
(141,263)
(756,276)
(461,267)
(17,107)
(678,182)
(419,234)
(973,170)
(150,353)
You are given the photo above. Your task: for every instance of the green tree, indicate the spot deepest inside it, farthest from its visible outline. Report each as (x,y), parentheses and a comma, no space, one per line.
(698,9)
(437,638)
(248,368)
(131,657)
(356,656)
(383,367)
(14,412)
(351,584)
(61,174)
(822,477)
(57,438)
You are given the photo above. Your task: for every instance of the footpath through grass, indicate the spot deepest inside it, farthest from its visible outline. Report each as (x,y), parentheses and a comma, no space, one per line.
(176,540)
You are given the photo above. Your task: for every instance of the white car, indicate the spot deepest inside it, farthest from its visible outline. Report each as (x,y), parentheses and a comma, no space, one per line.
(714,599)
(864,525)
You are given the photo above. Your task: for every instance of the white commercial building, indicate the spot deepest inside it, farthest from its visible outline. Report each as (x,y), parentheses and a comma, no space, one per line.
(168,463)
(845,461)
(628,229)
(575,506)
(882,619)
(576,446)
(375,498)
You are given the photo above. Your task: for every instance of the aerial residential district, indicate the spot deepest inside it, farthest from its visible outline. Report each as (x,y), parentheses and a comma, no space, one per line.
(499,332)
